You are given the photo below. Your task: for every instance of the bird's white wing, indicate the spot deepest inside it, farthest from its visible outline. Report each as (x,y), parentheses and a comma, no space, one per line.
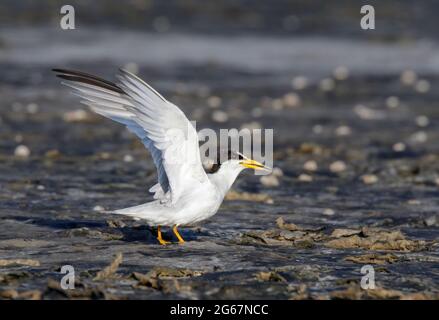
(162,126)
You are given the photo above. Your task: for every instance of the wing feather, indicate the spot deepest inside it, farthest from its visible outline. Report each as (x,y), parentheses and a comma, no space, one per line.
(162,127)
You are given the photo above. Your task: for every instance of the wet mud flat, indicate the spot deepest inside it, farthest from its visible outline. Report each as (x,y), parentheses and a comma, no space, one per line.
(356,182)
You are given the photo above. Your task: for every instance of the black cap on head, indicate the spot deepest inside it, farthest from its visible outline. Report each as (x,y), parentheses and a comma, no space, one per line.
(224,155)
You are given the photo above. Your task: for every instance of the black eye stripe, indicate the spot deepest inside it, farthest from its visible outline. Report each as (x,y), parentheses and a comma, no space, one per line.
(232,155)
(222,156)
(215,167)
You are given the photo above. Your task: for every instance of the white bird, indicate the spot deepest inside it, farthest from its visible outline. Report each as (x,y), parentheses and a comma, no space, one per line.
(184,194)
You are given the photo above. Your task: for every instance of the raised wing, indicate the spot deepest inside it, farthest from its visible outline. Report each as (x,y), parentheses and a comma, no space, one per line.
(162,126)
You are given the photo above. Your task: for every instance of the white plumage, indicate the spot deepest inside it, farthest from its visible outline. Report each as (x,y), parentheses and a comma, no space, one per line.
(184,194)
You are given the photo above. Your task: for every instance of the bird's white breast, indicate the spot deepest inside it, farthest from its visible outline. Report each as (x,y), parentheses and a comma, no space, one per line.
(199,204)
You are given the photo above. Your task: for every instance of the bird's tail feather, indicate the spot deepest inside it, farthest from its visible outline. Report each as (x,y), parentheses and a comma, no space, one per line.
(141,211)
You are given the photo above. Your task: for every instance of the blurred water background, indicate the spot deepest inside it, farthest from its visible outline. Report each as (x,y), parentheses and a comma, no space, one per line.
(354,112)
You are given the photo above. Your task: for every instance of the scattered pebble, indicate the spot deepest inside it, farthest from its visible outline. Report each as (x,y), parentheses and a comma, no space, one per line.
(431,221)
(419,137)
(105,155)
(76,116)
(52,154)
(98,208)
(310,148)
(277,104)
(305,177)
(269,180)
(399,147)
(337,166)
(369,179)
(18,138)
(422,121)
(367,113)
(310,165)
(291,100)
(422,86)
(40,187)
(408,77)
(328,212)
(32,108)
(414,202)
(327,84)
(277,172)
(299,82)
(341,73)
(214,102)
(128,158)
(219,116)
(343,131)
(22,151)
(317,129)
(392,102)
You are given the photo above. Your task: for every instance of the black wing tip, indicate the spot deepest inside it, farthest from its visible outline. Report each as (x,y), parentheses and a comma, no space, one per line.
(77,73)
(66,72)
(65,77)
(78,76)
(61,70)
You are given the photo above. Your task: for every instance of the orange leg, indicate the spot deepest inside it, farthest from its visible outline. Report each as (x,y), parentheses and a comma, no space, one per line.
(179,237)
(159,237)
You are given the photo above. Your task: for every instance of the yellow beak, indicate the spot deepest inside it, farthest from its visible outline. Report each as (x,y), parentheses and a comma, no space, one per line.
(253,164)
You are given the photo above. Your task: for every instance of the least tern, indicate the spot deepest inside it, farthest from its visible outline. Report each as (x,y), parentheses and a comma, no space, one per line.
(185,194)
